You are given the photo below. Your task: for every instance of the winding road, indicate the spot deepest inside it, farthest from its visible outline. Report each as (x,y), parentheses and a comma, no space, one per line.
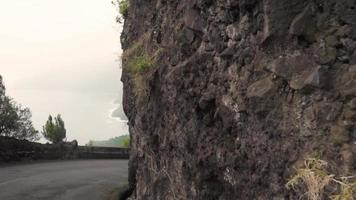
(64,180)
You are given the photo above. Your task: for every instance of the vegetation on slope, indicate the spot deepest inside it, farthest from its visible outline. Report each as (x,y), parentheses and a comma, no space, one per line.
(122,7)
(140,60)
(121,141)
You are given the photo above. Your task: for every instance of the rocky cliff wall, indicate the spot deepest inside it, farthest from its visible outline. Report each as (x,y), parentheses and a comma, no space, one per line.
(231,96)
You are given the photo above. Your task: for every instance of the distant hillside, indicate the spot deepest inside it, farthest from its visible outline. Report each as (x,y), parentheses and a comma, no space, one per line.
(121,141)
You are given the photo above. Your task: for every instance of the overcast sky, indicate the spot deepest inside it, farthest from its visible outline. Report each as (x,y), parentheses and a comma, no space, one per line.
(63,52)
(43,38)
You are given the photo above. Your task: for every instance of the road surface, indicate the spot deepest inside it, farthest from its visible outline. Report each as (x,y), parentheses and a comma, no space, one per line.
(64,180)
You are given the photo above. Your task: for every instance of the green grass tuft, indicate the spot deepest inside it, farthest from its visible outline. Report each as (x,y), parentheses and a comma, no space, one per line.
(140,63)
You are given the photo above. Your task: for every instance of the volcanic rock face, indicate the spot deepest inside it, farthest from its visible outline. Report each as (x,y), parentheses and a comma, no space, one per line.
(241,93)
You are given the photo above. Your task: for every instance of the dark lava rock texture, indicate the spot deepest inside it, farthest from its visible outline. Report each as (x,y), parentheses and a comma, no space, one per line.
(241,92)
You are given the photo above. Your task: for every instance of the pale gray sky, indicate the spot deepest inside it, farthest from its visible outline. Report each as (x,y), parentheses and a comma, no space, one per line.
(51,37)
(61,49)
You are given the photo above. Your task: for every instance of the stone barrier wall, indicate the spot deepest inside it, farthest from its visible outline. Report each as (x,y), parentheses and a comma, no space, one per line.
(20,150)
(86,152)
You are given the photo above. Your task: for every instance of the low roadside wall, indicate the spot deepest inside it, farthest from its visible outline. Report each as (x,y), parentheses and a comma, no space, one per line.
(20,150)
(86,152)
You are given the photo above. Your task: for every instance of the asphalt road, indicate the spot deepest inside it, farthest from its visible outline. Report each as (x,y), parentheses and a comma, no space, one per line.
(64,180)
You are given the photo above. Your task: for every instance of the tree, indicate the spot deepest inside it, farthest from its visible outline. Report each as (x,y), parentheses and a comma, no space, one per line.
(54,130)
(8,114)
(15,121)
(8,117)
(25,129)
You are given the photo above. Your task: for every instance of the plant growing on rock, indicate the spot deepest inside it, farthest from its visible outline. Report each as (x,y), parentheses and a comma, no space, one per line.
(122,7)
(315,177)
(141,63)
(139,60)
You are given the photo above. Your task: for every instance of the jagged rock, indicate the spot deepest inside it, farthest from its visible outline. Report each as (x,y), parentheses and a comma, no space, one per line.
(328,111)
(349,115)
(228,52)
(304,24)
(244,25)
(340,135)
(353,59)
(193,20)
(229,110)
(232,32)
(206,46)
(189,35)
(314,78)
(343,31)
(349,44)
(260,88)
(206,101)
(287,66)
(347,83)
(331,41)
(344,58)
(353,104)
(278,17)
(327,55)
(346,11)
(310,116)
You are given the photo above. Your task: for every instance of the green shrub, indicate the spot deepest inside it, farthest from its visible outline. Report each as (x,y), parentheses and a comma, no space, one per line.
(124,7)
